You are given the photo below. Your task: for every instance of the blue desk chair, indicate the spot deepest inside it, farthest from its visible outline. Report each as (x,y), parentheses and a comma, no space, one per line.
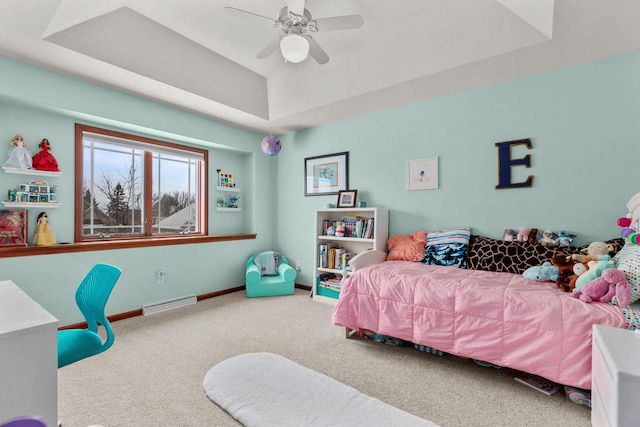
(27,421)
(91,298)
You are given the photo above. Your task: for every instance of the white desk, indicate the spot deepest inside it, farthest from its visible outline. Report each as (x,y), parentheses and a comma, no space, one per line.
(28,357)
(615,381)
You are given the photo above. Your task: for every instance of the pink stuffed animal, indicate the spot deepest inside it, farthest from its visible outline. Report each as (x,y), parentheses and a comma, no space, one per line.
(523,234)
(611,282)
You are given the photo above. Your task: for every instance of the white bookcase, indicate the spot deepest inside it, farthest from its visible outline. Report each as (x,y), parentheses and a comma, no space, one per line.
(352,245)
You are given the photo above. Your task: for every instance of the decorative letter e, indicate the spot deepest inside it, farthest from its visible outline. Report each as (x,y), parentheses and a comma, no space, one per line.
(505,162)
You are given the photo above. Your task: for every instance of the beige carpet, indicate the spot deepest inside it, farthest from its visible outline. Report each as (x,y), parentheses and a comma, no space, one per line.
(152,376)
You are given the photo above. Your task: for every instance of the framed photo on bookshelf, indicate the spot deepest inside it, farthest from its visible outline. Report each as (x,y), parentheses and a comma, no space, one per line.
(13,227)
(347,198)
(422,174)
(326,174)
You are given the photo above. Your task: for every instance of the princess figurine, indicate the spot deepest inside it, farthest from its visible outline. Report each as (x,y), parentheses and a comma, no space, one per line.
(19,157)
(43,235)
(43,160)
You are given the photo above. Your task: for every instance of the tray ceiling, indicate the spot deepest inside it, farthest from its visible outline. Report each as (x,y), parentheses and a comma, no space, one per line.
(192,55)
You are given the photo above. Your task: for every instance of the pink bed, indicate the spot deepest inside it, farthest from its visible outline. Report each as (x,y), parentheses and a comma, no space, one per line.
(500,318)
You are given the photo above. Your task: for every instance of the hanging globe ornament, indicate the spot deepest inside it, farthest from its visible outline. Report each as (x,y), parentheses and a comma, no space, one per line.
(271,145)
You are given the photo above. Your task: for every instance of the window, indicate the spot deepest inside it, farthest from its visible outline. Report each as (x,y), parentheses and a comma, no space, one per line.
(137,187)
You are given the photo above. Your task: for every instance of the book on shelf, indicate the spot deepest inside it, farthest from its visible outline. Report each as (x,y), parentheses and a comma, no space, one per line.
(543,385)
(344,265)
(368,228)
(330,281)
(323,255)
(354,226)
(337,285)
(333,257)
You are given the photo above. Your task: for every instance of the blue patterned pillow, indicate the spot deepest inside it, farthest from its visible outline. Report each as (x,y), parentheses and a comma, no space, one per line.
(447,248)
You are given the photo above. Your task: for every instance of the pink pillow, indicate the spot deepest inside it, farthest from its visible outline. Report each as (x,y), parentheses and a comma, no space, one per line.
(407,248)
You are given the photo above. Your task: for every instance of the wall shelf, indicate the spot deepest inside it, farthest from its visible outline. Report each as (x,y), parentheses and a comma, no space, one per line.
(31,205)
(30,172)
(229,209)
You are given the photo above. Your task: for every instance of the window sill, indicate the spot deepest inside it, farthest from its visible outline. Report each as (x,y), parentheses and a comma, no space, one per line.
(105,245)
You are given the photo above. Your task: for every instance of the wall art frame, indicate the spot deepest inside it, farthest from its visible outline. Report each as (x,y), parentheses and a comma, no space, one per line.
(422,174)
(347,198)
(13,227)
(327,174)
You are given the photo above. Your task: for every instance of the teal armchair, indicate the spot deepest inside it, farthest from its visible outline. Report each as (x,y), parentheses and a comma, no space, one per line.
(264,286)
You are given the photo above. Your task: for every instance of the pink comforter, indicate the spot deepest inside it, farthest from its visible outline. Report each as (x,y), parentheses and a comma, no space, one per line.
(500,318)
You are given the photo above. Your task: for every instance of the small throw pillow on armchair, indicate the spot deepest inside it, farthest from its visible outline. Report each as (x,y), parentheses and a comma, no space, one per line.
(406,248)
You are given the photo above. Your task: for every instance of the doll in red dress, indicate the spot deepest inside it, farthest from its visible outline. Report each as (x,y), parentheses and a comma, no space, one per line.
(43,160)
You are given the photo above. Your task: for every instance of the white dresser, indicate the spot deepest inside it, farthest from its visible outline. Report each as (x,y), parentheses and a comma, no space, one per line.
(28,357)
(615,384)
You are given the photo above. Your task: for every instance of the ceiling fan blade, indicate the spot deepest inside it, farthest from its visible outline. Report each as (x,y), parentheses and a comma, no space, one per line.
(296,7)
(339,23)
(317,52)
(269,49)
(246,15)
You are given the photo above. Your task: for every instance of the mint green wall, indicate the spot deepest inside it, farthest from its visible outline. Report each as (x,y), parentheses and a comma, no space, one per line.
(584,123)
(42,104)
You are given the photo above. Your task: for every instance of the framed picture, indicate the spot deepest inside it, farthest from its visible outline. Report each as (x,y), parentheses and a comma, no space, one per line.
(225,180)
(347,198)
(13,228)
(327,174)
(422,174)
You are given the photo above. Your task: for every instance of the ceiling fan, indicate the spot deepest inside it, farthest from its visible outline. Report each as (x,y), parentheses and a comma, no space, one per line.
(297,23)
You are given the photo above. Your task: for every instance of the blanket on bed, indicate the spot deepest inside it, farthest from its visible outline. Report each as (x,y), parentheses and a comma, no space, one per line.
(500,318)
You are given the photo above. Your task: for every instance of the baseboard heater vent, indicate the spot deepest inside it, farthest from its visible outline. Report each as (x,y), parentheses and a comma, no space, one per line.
(159,307)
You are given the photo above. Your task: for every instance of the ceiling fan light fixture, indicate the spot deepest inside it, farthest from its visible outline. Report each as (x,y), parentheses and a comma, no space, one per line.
(294,48)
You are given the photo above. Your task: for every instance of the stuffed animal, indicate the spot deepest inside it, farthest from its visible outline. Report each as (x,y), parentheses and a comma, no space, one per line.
(594,249)
(626,224)
(564,239)
(543,273)
(631,222)
(523,234)
(612,282)
(509,235)
(533,236)
(549,239)
(565,271)
(596,268)
(579,268)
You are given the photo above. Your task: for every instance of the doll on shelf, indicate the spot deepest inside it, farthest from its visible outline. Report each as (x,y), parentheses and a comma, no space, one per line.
(43,235)
(19,157)
(43,160)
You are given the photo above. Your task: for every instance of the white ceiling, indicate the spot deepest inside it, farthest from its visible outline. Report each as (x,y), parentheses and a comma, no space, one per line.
(193,55)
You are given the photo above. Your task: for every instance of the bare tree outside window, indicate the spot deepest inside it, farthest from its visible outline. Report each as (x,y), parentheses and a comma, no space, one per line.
(116,201)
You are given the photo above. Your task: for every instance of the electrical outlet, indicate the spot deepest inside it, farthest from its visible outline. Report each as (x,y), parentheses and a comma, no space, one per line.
(162,275)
